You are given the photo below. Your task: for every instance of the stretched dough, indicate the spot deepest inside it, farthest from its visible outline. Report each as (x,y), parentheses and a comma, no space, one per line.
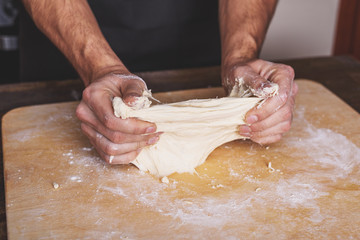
(192,130)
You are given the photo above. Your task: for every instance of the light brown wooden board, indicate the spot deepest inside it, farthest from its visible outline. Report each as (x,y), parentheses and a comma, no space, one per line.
(313,193)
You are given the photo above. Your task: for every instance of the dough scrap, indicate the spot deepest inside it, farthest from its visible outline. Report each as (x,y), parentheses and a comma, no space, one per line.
(192,130)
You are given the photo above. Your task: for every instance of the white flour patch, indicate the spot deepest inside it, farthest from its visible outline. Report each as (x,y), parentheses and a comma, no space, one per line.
(87,149)
(117,191)
(76,179)
(294,192)
(233,173)
(331,154)
(24,135)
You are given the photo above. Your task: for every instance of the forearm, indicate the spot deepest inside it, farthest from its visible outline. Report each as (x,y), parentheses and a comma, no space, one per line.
(72,27)
(243,26)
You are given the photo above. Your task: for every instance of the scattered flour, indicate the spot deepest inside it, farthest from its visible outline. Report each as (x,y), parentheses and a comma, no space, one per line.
(76,178)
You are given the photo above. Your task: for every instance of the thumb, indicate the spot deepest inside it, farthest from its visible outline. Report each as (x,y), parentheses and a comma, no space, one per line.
(255,83)
(132,89)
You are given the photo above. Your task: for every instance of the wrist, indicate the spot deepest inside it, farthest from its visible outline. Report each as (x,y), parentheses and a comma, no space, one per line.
(230,64)
(99,72)
(96,59)
(239,52)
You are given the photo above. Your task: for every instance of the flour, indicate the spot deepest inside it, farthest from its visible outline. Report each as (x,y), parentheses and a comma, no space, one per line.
(115,191)
(241,89)
(332,153)
(24,135)
(76,178)
(87,149)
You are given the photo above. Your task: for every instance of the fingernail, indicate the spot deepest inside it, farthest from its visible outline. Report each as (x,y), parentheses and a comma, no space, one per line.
(111,158)
(251,119)
(153,140)
(245,130)
(150,129)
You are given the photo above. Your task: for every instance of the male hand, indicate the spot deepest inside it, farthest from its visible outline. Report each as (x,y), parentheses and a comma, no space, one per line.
(118,141)
(268,123)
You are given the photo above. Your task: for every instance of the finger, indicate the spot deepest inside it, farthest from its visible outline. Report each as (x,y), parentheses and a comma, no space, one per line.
(124,158)
(264,129)
(273,71)
(283,114)
(271,105)
(120,159)
(280,128)
(267,140)
(264,110)
(110,148)
(86,115)
(105,114)
(295,89)
(252,79)
(283,75)
(132,89)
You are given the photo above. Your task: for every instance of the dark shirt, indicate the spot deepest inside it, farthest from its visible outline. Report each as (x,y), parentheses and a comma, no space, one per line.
(145,34)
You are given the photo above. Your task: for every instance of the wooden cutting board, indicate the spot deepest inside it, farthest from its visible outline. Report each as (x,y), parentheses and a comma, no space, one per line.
(312,190)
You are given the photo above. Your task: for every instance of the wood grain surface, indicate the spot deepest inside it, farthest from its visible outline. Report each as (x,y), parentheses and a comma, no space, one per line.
(340,74)
(310,191)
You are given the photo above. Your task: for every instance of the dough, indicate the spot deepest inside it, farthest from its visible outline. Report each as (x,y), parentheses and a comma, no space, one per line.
(192,130)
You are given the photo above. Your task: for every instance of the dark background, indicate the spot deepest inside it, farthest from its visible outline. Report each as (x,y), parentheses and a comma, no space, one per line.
(9,53)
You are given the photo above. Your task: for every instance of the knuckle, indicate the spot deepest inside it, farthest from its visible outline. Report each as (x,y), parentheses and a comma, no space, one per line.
(134,126)
(295,89)
(83,127)
(127,158)
(287,114)
(137,129)
(269,140)
(258,127)
(98,139)
(86,94)
(108,121)
(260,141)
(277,138)
(109,149)
(106,158)
(286,126)
(137,126)
(283,97)
(80,112)
(117,137)
(290,71)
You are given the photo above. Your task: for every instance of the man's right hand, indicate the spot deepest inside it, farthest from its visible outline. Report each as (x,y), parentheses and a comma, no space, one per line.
(118,141)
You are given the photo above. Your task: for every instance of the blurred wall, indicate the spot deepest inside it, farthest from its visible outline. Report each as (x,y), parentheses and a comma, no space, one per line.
(301,28)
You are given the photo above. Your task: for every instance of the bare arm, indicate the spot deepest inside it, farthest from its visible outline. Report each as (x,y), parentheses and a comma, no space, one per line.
(72,27)
(243,25)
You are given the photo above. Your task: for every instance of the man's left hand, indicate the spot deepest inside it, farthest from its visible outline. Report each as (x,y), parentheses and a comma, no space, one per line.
(268,123)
